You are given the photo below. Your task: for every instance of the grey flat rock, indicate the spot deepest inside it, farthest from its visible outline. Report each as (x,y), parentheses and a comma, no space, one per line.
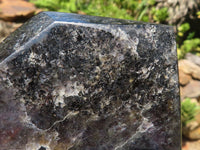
(193,58)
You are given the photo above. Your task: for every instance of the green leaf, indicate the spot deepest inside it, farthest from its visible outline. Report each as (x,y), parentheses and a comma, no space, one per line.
(184,27)
(188,111)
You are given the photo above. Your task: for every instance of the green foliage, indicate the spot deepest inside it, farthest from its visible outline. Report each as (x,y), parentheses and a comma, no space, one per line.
(151,2)
(198,14)
(55,5)
(182,29)
(108,8)
(190,35)
(190,44)
(187,40)
(188,111)
(160,15)
(141,11)
(124,9)
(127,4)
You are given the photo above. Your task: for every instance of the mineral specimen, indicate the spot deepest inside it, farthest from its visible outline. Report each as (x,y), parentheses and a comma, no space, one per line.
(76,82)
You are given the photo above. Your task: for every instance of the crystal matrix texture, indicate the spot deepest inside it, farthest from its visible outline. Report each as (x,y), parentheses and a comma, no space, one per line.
(74,82)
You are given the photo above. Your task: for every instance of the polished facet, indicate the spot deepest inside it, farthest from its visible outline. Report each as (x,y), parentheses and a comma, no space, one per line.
(76,82)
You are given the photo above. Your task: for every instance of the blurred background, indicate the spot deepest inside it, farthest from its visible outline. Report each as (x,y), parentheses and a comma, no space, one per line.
(183,15)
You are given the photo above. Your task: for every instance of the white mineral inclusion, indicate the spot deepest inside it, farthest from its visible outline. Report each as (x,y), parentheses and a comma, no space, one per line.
(150,30)
(36,146)
(144,126)
(72,89)
(117,33)
(117,55)
(32,58)
(17,45)
(125,38)
(36,59)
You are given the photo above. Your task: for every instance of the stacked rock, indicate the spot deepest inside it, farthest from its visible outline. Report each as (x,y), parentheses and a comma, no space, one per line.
(189,76)
(189,79)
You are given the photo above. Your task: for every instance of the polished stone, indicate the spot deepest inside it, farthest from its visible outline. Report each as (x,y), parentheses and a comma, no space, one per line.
(75,82)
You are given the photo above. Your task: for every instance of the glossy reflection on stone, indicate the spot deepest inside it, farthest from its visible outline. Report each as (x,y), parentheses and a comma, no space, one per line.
(75,82)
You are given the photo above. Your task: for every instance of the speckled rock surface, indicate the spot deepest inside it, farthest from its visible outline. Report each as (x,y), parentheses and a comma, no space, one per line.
(74,82)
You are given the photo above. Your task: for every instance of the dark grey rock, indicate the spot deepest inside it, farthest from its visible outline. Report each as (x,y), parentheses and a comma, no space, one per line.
(74,82)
